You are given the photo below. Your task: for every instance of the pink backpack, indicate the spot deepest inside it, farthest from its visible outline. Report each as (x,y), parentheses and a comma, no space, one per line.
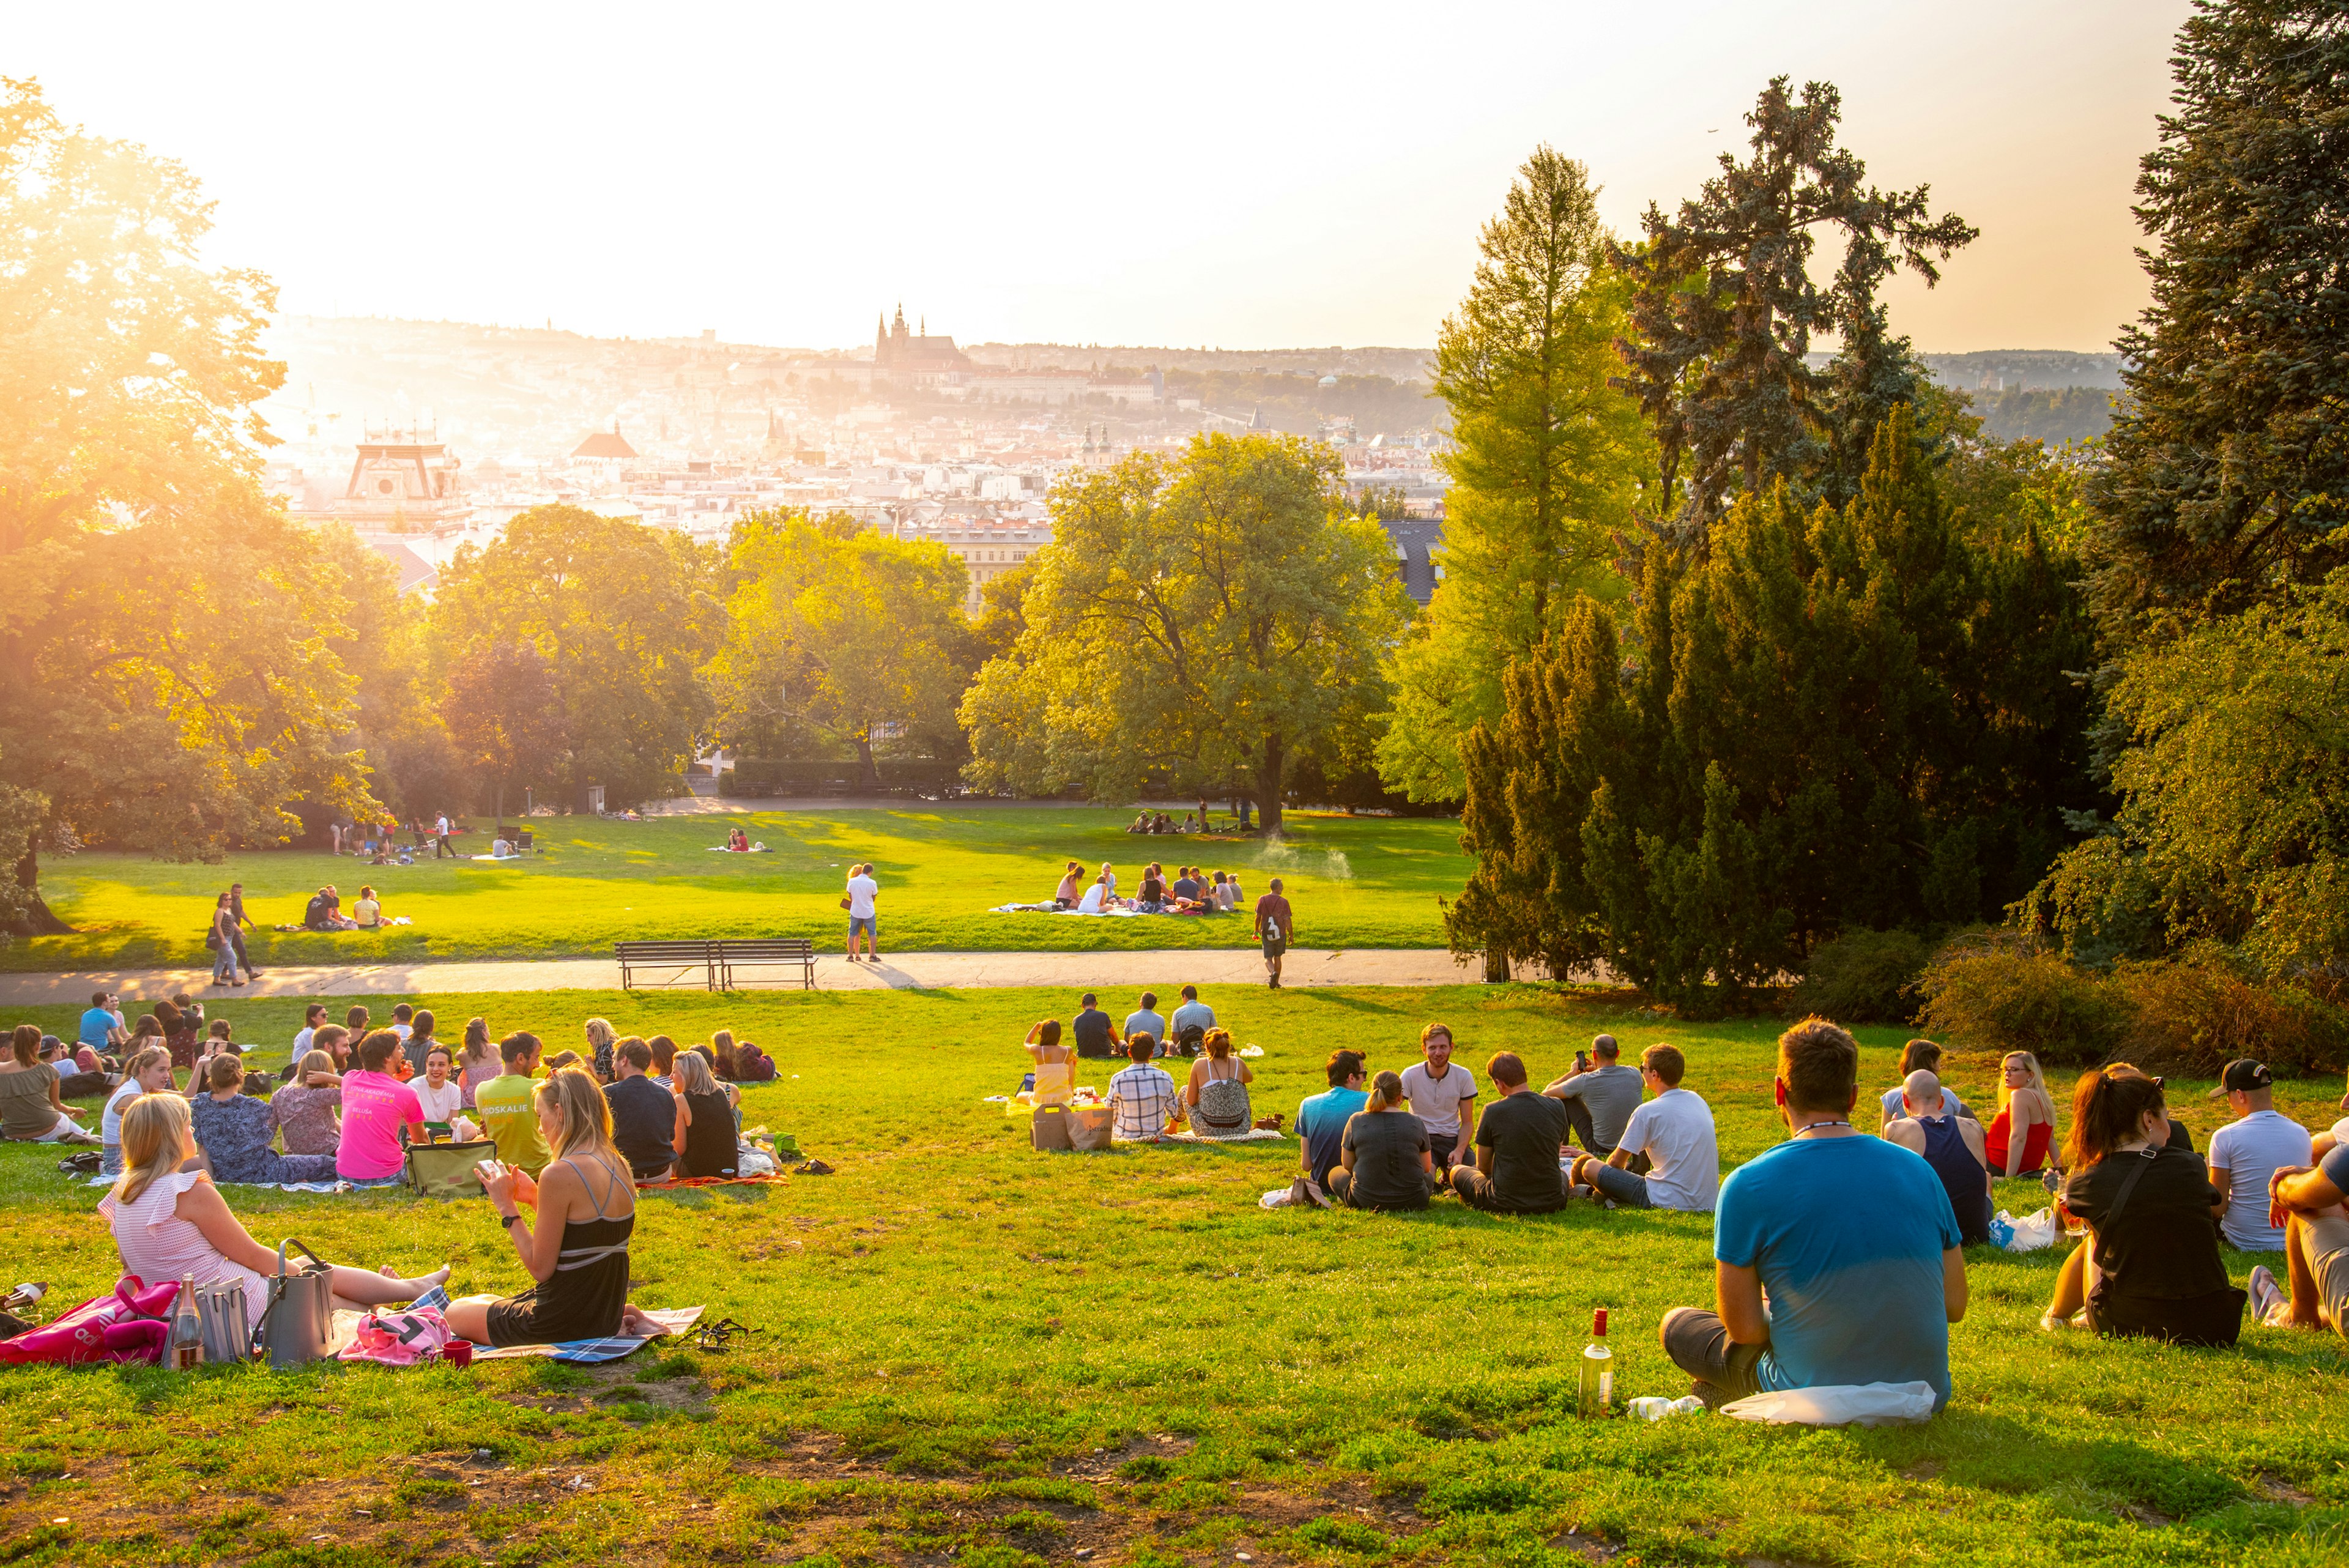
(403,1336)
(129,1326)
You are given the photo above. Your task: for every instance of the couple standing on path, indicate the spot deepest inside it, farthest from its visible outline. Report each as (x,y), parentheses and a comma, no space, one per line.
(857,899)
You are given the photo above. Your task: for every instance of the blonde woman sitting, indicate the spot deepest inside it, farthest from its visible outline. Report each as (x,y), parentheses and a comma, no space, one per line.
(171,1223)
(1217,1092)
(2016,1141)
(578,1251)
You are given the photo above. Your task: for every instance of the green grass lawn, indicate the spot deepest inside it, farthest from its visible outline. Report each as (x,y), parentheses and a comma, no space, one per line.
(975,1357)
(1355,881)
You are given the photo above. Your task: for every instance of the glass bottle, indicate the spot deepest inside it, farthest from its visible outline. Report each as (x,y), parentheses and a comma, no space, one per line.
(187,1331)
(1597,1371)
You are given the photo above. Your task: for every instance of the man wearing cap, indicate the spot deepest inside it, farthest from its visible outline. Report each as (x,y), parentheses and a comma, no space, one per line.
(2247,1151)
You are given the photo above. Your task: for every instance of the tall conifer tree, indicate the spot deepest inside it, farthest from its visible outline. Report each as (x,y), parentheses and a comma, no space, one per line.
(2228,473)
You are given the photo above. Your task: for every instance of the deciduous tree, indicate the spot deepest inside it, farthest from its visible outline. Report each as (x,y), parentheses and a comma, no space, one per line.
(505,718)
(170,684)
(1210,618)
(842,631)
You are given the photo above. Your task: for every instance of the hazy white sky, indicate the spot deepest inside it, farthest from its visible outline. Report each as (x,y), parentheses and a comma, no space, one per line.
(1247,175)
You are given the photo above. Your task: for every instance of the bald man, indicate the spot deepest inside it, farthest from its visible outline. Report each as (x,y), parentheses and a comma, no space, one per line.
(1930,1127)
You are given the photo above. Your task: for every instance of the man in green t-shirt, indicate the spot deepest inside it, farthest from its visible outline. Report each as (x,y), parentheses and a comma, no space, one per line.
(508,1105)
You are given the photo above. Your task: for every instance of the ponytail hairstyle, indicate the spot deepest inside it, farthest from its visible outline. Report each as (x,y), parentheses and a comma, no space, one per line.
(146,1056)
(2106,1108)
(25,1044)
(1386,1092)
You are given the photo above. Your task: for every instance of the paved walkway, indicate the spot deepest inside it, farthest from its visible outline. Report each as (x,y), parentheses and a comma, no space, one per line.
(1165,970)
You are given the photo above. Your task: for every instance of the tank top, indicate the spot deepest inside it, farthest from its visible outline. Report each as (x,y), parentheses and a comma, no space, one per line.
(2034,1145)
(1961,1174)
(1056,1084)
(709,1138)
(1223,1107)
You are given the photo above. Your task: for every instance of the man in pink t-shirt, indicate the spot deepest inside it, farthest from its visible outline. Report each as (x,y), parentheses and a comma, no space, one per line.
(375,1107)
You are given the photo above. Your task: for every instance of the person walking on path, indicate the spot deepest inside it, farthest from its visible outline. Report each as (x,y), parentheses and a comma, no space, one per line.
(222,941)
(861,890)
(1273,928)
(238,921)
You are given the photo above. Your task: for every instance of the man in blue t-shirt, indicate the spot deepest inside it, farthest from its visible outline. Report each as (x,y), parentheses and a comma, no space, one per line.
(1851,1237)
(100,1028)
(1321,1119)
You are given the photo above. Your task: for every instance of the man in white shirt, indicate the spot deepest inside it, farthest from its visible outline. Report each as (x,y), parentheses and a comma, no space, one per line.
(2247,1151)
(861,890)
(441,848)
(1441,1095)
(1674,1130)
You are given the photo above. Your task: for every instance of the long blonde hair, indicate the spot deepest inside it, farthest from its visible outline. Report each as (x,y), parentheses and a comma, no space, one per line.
(600,1031)
(156,1129)
(2038,1082)
(586,1116)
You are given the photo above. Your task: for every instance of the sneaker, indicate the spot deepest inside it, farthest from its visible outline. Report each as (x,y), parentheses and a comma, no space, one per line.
(2270,1305)
(2050,1324)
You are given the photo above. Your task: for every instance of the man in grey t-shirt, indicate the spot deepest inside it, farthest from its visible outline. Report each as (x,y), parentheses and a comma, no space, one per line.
(1600,1099)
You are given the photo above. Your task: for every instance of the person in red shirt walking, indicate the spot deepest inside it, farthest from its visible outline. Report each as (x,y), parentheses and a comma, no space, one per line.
(1274,928)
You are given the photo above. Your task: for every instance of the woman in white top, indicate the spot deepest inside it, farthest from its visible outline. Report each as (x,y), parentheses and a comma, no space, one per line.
(1096,899)
(148,1073)
(442,1098)
(171,1223)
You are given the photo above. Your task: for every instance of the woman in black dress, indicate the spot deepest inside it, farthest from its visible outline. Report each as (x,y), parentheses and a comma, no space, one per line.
(705,1140)
(578,1251)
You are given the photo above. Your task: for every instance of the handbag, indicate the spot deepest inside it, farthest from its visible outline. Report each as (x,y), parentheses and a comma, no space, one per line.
(297,1327)
(446,1169)
(847,905)
(1089,1127)
(221,1320)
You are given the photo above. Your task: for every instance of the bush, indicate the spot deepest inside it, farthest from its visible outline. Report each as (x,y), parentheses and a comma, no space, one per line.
(1992,992)
(1864,977)
(2196,1016)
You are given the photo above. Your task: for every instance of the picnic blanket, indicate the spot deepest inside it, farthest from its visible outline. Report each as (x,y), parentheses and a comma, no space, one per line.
(497,857)
(1049,909)
(1253,1134)
(263,1185)
(582,1352)
(667,1183)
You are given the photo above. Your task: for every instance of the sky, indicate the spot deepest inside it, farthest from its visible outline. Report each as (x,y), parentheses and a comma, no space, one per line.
(1255,175)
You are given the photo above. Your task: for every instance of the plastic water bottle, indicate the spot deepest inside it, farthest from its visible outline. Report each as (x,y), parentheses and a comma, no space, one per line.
(2001,1230)
(1597,1371)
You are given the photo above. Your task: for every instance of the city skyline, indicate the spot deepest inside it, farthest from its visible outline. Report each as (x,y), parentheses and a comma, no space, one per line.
(1240,180)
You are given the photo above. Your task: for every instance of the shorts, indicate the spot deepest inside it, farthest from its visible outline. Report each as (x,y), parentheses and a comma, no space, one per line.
(2328,1260)
(863,923)
(1274,946)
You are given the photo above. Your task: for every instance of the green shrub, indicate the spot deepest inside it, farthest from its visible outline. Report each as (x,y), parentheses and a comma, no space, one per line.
(2196,1015)
(1865,977)
(1989,992)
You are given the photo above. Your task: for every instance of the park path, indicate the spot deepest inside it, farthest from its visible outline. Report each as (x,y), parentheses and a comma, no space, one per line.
(1164,970)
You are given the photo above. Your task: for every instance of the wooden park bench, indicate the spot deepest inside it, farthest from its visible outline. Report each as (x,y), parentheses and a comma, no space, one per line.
(773,952)
(677,955)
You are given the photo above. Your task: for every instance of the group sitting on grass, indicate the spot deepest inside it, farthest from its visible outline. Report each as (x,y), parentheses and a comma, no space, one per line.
(1193,890)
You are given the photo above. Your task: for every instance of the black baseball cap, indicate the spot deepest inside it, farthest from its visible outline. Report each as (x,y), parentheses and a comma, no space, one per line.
(2244,1075)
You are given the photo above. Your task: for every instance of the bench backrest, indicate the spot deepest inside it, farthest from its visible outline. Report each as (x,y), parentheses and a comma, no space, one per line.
(766,947)
(696,948)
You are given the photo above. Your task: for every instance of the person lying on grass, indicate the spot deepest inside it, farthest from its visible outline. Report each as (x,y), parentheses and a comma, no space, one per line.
(2316,1248)
(2149,1267)
(1385,1162)
(1850,1237)
(170,1223)
(578,1251)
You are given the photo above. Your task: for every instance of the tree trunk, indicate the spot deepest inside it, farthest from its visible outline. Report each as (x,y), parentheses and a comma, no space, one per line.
(39,920)
(1496,967)
(1267,784)
(501,809)
(864,758)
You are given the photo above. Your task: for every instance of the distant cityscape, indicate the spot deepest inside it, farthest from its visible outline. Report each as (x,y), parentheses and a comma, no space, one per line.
(427,436)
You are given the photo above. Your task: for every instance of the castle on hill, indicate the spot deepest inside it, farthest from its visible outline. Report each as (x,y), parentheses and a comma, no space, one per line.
(914,360)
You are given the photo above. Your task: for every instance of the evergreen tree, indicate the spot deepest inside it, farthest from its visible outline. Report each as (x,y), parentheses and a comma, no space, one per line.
(1723,310)
(1545,467)
(2227,478)
(1844,720)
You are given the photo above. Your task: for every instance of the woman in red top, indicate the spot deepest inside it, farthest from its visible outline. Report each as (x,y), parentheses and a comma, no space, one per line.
(2017,1137)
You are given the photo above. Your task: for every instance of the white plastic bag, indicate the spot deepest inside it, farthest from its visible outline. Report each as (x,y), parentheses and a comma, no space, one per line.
(1838,1405)
(749,1162)
(1655,1408)
(2028,1235)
